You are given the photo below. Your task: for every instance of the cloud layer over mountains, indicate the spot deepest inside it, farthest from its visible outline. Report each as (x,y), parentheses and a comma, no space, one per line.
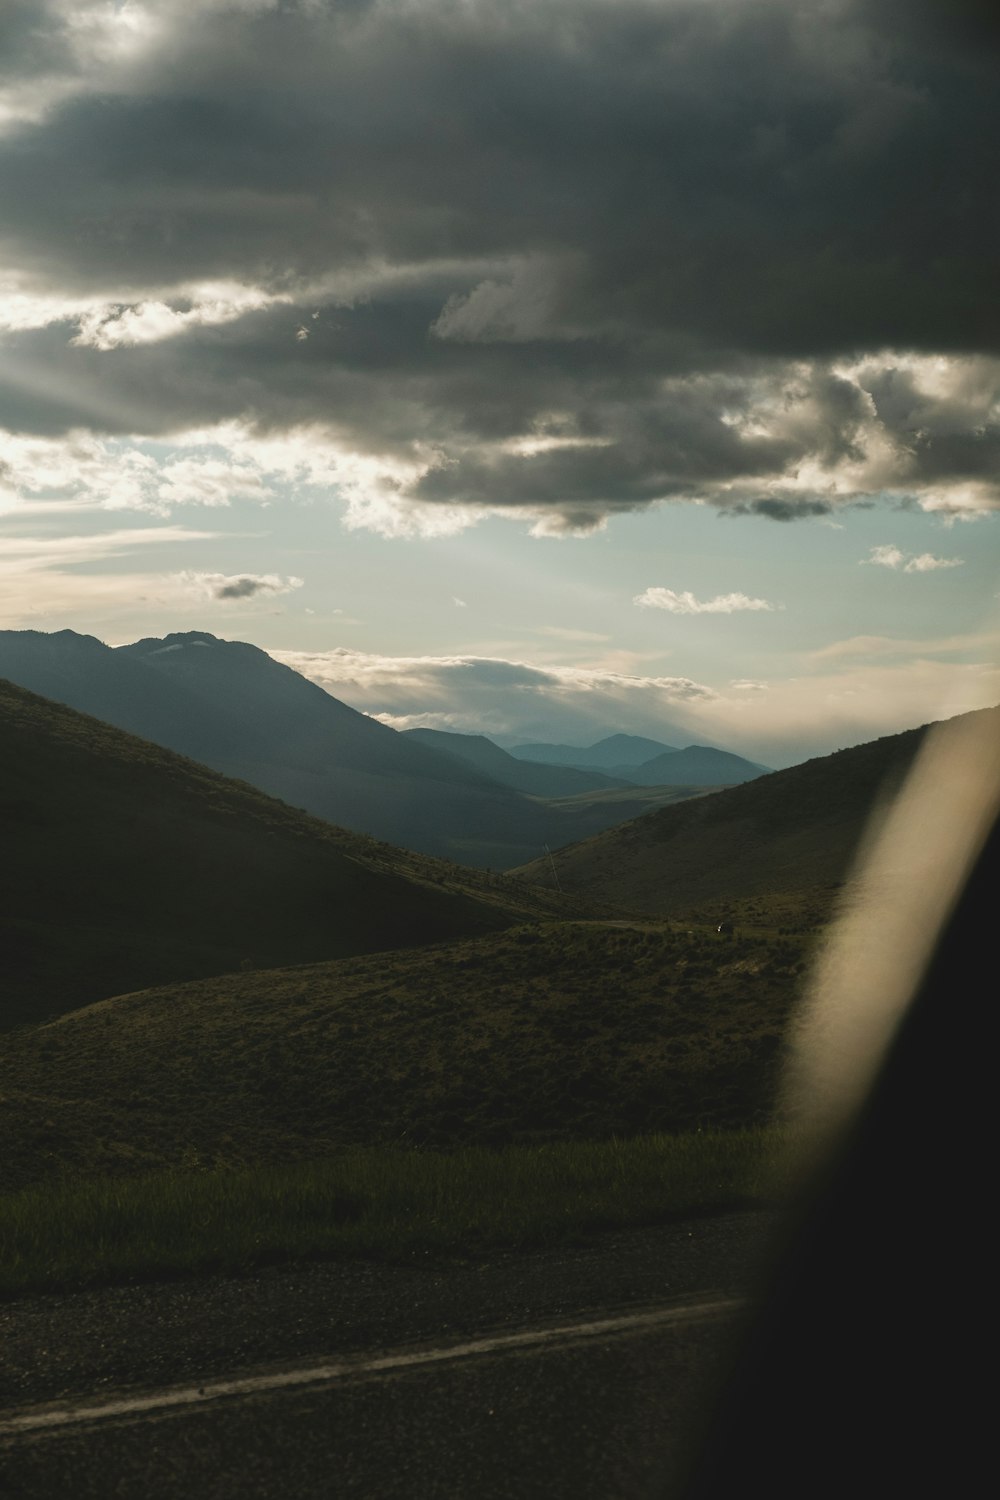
(557,260)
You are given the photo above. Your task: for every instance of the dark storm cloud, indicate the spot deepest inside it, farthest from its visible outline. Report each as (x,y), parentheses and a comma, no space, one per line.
(782,176)
(241,588)
(786,510)
(239,585)
(658,227)
(31,43)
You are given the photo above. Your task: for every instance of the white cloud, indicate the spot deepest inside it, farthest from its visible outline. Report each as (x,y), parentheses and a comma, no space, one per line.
(687,604)
(827,705)
(885,557)
(927,563)
(113,326)
(812,714)
(135,316)
(103,474)
(886,646)
(46,599)
(494,695)
(40,582)
(567,633)
(56,551)
(891,557)
(895,408)
(213,466)
(211,481)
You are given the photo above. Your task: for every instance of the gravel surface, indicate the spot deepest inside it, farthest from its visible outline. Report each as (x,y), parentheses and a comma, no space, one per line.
(117,1339)
(606,1417)
(610,1419)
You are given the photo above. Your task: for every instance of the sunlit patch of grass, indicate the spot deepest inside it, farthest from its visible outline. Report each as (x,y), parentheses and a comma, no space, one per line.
(373,1202)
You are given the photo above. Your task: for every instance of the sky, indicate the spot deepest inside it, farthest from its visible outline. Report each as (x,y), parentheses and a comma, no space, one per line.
(544,370)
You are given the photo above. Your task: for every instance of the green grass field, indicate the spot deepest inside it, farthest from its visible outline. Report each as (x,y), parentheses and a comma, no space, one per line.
(374,1202)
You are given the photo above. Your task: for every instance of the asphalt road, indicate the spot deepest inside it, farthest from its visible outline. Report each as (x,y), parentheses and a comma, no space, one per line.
(571,1373)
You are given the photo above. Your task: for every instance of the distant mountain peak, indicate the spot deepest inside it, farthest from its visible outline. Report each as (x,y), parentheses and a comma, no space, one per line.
(608,754)
(697,765)
(61,638)
(152,645)
(66,635)
(629,743)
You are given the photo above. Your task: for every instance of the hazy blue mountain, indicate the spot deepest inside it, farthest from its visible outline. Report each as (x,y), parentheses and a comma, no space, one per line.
(609,755)
(232,707)
(265,710)
(83,673)
(700,765)
(531,777)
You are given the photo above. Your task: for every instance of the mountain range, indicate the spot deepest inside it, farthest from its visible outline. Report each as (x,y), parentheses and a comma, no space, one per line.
(613,750)
(232,707)
(536,779)
(630,758)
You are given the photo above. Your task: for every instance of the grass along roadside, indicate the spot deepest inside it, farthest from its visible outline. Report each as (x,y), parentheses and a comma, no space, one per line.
(372,1202)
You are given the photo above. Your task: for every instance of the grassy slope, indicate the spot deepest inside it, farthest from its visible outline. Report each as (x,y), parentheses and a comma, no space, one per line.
(640,798)
(374,1202)
(126,865)
(545,1032)
(772,851)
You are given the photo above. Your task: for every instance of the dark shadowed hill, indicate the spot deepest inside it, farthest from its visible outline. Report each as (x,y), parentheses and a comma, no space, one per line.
(554,1031)
(126,865)
(531,777)
(697,765)
(774,850)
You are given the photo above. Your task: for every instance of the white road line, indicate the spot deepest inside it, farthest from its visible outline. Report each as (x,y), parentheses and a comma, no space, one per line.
(52,1418)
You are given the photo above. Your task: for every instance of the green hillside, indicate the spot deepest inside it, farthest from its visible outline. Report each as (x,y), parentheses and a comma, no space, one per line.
(772,852)
(546,1032)
(126,866)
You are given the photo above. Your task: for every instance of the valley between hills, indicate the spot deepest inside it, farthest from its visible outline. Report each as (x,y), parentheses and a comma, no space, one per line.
(203,980)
